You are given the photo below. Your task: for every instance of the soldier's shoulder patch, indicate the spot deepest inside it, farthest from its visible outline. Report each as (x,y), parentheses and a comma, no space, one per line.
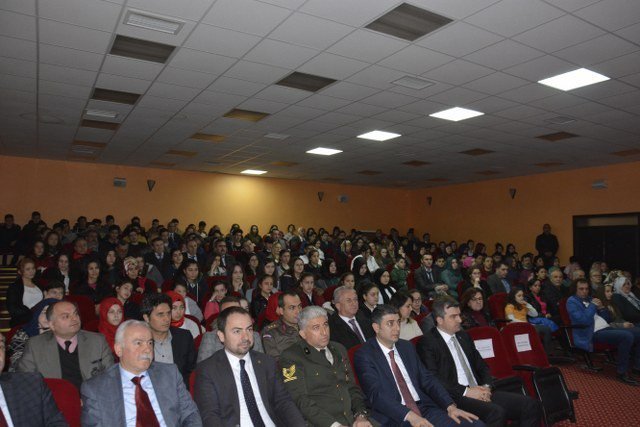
(271,326)
(289,374)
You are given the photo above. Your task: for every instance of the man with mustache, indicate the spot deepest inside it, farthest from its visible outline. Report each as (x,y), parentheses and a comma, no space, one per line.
(238,386)
(65,351)
(138,392)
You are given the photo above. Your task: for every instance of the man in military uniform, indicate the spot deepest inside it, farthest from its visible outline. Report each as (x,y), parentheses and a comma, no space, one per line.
(281,334)
(318,375)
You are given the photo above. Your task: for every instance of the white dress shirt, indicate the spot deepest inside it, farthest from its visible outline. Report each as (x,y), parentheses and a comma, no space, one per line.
(245,419)
(462,377)
(403,371)
(5,409)
(129,395)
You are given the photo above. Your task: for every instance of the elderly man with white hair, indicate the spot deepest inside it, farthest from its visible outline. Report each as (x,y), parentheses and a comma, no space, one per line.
(348,327)
(138,392)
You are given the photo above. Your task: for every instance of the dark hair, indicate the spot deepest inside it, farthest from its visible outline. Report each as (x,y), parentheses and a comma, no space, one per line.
(224,314)
(364,289)
(470,293)
(157,239)
(575,283)
(152,300)
(399,299)
(511,297)
(229,298)
(441,304)
(54,284)
(382,310)
(304,275)
(187,262)
(49,313)
(281,295)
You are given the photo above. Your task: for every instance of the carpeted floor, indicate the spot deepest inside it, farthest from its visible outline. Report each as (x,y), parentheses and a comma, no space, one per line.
(603,401)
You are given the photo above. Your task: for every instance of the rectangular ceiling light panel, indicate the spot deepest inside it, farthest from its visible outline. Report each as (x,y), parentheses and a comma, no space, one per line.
(253,172)
(143,50)
(250,116)
(378,135)
(408,22)
(116,96)
(574,79)
(97,124)
(150,21)
(456,114)
(324,151)
(303,81)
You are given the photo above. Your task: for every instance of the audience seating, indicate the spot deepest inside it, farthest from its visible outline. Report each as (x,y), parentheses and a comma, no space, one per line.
(209,322)
(86,308)
(352,353)
(67,398)
(496,308)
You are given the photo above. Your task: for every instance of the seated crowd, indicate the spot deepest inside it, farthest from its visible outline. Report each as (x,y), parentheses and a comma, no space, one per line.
(197,327)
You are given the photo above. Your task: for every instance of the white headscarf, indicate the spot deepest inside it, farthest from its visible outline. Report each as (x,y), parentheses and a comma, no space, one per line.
(617,286)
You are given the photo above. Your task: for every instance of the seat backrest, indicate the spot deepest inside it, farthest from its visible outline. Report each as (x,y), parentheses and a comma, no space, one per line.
(197,341)
(496,305)
(192,382)
(489,344)
(415,340)
(210,320)
(411,280)
(86,307)
(67,399)
(523,345)
(167,285)
(352,353)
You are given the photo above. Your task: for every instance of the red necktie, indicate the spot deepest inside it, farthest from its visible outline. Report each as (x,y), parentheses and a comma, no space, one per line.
(3,420)
(402,384)
(145,415)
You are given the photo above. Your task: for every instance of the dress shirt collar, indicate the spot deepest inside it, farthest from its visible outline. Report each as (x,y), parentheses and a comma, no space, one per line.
(385,349)
(72,347)
(445,336)
(127,376)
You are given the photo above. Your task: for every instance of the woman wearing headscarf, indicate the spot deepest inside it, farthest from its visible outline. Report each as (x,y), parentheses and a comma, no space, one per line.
(178,320)
(111,316)
(451,276)
(37,325)
(382,279)
(626,301)
(360,272)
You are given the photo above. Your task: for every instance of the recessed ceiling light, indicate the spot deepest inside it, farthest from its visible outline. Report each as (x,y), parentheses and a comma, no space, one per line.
(253,172)
(98,124)
(250,116)
(276,136)
(574,79)
(149,21)
(109,95)
(207,137)
(103,114)
(456,114)
(181,153)
(324,151)
(411,82)
(557,136)
(408,22)
(144,50)
(304,81)
(378,135)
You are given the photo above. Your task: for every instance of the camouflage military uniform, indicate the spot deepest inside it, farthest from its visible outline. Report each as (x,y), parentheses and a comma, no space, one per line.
(277,337)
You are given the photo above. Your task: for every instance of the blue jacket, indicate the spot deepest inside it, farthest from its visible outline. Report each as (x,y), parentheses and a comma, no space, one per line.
(581,315)
(380,388)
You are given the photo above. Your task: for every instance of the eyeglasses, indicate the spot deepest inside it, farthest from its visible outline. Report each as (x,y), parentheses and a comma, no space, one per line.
(478,299)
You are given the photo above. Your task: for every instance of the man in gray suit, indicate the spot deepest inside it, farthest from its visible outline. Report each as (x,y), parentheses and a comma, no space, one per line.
(237,386)
(65,351)
(498,281)
(137,392)
(211,343)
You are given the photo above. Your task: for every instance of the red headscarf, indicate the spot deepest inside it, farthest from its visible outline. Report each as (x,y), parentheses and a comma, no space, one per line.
(174,298)
(106,328)
(272,306)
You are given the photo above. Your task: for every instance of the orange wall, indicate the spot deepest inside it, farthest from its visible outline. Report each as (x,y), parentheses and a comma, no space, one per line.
(61,189)
(485,212)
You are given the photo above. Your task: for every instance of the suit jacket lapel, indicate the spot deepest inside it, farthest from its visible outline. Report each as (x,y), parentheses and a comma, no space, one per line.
(228,382)
(51,356)
(116,400)
(84,356)
(161,386)
(13,402)
(381,359)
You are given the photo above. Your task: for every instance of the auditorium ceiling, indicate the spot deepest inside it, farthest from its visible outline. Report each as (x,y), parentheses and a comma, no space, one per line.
(233,85)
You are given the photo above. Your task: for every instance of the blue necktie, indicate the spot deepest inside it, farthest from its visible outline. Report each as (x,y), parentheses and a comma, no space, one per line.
(249,398)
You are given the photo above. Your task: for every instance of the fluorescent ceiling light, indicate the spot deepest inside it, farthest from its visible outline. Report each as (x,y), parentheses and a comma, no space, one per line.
(456,114)
(574,79)
(104,114)
(253,172)
(324,151)
(378,135)
(153,22)
(276,136)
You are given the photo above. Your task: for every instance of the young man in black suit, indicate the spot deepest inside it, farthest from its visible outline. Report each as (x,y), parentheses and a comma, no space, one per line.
(450,354)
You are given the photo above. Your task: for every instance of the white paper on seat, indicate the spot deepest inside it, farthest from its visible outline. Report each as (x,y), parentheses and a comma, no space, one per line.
(522,342)
(485,348)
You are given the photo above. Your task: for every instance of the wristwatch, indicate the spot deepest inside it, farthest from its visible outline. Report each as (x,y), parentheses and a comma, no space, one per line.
(364,413)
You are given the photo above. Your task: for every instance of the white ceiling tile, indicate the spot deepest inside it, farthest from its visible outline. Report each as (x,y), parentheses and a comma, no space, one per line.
(301,112)
(512,17)
(129,67)
(558,101)
(611,14)
(96,14)
(194,60)
(164,90)
(332,66)
(17,83)
(520,112)
(541,68)
(18,25)
(307,30)
(95,135)
(416,60)
(423,107)
(632,79)
(8,95)
(456,9)
(60,34)
(571,5)
(631,33)
(619,67)
(248,16)
(226,100)
(163,104)
(123,84)
(529,93)
(186,9)
(459,39)
(388,99)
(57,101)
(279,54)
(496,83)
(282,94)
(64,89)
(491,104)
(236,87)
(65,57)
(603,90)
(597,50)
(72,76)
(18,48)
(458,96)
(503,55)
(355,12)
(18,67)
(346,90)
(559,34)
(187,78)
(257,73)
(21,6)
(458,72)
(221,41)
(377,77)
(367,45)
(323,102)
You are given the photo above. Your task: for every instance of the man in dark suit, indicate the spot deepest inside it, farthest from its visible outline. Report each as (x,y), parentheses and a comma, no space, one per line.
(171,345)
(26,401)
(237,386)
(498,281)
(137,391)
(399,388)
(226,259)
(158,257)
(318,375)
(450,354)
(427,279)
(348,327)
